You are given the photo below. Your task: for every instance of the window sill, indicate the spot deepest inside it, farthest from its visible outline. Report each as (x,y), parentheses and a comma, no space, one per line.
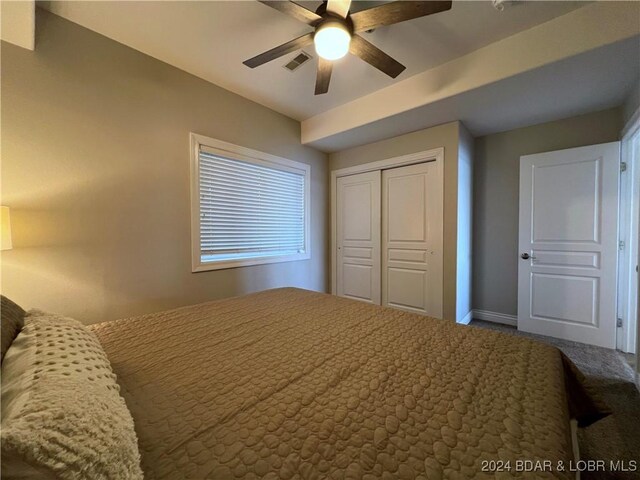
(199,266)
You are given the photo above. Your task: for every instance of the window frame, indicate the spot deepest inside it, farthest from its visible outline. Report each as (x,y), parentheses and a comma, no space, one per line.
(236,152)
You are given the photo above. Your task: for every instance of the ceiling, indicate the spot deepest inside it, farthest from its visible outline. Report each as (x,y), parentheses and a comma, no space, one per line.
(579,62)
(599,79)
(211,39)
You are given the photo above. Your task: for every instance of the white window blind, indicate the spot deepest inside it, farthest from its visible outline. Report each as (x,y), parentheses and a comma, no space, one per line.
(250,210)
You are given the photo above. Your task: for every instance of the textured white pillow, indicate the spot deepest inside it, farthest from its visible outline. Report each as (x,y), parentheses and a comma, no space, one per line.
(62,414)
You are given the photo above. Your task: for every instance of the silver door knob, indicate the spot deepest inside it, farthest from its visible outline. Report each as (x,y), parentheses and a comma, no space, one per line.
(526,256)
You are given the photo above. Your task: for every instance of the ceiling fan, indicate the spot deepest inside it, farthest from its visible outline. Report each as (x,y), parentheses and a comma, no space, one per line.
(336,33)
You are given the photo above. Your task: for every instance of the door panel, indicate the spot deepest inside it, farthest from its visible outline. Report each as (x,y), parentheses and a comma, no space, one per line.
(357,280)
(412,239)
(357,252)
(396,255)
(358,237)
(357,218)
(406,221)
(550,258)
(568,244)
(568,211)
(565,298)
(406,288)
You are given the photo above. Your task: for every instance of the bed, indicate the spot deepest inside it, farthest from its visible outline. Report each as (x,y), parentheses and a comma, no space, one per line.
(289,383)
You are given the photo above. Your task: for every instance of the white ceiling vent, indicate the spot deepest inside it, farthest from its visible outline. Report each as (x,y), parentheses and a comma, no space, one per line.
(297,61)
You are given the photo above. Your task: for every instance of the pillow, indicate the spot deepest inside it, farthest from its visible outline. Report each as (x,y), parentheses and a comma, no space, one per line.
(62,413)
(12,321)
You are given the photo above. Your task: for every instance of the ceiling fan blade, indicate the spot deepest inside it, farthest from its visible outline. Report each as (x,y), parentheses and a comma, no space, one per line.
(294,10)
(339,7)
(280,50)
(325,67)
(395,12)
(376,57)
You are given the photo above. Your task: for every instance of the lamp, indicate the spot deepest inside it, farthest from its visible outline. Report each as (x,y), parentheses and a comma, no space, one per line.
(332,40)
(5,229)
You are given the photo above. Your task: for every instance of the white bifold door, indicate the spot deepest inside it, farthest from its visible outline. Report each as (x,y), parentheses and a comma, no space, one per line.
(389,238)
(411,238)
(568,244)
(358,237)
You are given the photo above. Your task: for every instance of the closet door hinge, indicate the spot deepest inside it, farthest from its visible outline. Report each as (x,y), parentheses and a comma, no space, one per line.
(623,166)
(619,323)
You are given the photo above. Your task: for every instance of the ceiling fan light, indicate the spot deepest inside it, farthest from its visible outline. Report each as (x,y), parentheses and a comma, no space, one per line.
(332,41)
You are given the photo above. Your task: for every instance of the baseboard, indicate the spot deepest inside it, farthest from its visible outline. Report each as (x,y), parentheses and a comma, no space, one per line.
(467,318)
(495,317)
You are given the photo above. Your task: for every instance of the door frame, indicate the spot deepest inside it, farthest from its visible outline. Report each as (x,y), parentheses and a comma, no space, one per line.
(628,309)
(432,155)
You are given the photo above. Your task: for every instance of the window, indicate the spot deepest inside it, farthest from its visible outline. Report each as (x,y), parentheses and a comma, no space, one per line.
(247,207)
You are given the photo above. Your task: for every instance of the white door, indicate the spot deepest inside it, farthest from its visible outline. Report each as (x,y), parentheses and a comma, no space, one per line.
(568,244)
(358,236)
(412,239)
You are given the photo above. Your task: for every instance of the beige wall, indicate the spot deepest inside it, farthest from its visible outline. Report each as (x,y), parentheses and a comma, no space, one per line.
(631,105)
(496,180)
(440,136)
(95,166)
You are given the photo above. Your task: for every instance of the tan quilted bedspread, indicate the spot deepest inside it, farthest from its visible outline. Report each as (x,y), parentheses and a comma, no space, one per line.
(288,383)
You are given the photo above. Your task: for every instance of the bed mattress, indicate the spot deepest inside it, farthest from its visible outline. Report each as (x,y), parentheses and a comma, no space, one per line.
(289,383)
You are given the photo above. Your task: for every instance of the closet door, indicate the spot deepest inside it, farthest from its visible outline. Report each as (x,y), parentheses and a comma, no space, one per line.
(358,237)
(412,239)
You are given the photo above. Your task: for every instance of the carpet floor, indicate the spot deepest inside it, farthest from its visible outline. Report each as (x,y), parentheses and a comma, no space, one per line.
(616,437)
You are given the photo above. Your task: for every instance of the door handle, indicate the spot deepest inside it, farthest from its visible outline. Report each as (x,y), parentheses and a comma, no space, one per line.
(526,256)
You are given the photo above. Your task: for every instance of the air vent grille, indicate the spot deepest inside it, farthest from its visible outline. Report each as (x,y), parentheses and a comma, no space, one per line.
(297,61)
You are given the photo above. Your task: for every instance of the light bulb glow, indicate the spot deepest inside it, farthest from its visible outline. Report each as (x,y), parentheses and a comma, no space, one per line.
(332,41)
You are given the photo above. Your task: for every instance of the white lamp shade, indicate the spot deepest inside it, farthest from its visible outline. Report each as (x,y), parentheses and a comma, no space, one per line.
(5,226)
(332,40)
